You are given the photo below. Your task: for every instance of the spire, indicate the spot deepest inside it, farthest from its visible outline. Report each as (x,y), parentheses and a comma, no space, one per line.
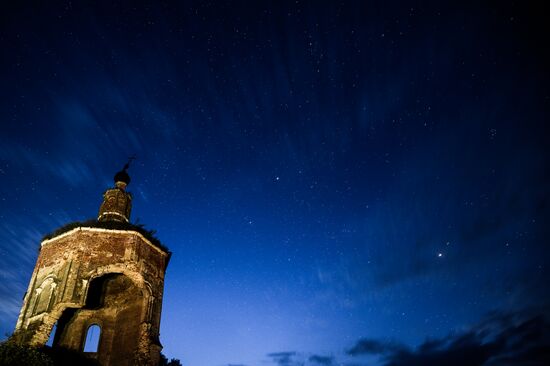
(117,203)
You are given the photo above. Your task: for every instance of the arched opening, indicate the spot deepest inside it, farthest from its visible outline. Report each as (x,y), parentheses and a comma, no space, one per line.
(92,338)
(95,298)
(49,343)
(108,325)
(61,325)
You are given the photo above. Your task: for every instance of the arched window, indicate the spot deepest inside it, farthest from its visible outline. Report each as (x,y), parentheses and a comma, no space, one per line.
(92,338)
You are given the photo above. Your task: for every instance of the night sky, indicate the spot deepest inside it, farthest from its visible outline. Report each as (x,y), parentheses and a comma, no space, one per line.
(339,182)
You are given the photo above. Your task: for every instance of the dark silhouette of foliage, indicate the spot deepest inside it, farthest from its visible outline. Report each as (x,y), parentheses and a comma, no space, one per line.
(164,361)
(12,354)
(67,357)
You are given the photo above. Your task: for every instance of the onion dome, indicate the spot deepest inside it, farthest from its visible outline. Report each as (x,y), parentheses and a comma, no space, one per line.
(122,176)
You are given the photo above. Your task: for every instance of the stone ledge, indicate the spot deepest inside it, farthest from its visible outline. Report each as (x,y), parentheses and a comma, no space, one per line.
(101,230)
(114,226)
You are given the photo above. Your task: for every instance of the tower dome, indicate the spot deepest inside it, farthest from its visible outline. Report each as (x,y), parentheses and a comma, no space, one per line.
(122,176)
(117,203)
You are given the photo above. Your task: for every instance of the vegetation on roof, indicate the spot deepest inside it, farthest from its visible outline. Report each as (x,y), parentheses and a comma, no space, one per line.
(112,225)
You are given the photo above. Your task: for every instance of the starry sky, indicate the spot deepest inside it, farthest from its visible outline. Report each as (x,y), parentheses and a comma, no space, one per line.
(340,183)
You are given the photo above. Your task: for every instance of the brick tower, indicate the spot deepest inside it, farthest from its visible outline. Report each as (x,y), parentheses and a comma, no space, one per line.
(99,284)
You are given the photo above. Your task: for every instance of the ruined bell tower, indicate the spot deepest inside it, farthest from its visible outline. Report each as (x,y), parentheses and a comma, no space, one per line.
(97,287)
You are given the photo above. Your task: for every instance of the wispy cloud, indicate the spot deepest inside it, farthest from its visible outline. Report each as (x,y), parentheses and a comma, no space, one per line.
(284,358)
(499,340)
(291,358)
(9,310)
(322,360)
(71,170)
(18,253)
(373,346)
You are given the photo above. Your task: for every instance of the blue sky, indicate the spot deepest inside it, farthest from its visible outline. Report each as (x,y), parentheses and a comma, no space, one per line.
(324,174)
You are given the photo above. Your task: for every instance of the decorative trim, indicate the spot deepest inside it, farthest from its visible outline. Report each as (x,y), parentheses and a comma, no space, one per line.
(82,228)
(112,213)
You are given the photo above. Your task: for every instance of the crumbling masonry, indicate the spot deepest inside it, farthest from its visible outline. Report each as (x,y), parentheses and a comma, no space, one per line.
(108,274)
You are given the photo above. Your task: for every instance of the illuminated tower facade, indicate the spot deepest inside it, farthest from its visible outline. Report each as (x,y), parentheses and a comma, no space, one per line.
(97,287)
